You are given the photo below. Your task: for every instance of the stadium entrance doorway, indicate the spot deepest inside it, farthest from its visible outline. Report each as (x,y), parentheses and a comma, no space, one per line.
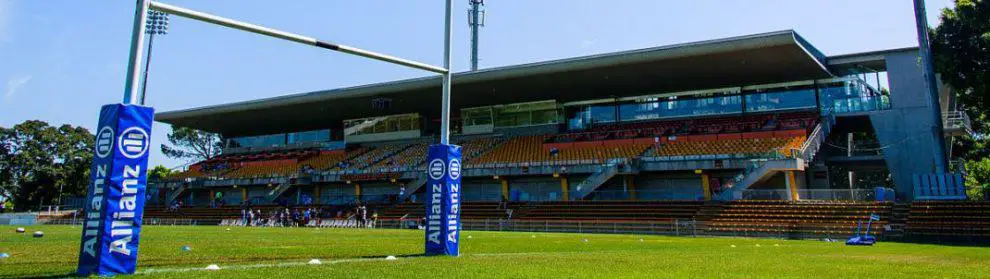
(115,200)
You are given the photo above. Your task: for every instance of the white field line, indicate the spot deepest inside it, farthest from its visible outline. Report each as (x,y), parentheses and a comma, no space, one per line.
(339,261)
(252,266)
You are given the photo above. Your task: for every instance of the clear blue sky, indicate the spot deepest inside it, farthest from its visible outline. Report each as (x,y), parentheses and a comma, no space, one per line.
(61,60)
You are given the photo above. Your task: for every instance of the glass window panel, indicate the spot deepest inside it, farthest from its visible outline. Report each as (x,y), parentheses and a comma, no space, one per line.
(545,116)
(792,99)
(477,116)
(602,113)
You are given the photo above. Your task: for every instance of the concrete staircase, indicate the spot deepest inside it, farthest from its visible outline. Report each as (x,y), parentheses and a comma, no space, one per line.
(758,172)
(175,194)
(413,186)
(595,180)
(809,150)
(279,191)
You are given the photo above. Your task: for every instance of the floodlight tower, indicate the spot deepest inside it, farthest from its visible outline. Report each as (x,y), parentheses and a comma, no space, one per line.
(476,19)
(155,24)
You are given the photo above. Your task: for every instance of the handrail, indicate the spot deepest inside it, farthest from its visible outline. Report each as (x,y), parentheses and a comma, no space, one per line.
(818,136)
(956,119)
(598,178)
(174,195)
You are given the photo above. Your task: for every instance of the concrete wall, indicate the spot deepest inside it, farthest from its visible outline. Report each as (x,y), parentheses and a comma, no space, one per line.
(529,130)
(906,129)
(535,189)
(411,134)
(681,186)
(477,129)
(481,189)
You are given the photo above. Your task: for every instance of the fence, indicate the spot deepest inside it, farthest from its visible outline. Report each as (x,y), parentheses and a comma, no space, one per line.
(145,222)
(812,194)
(680,227)
(861,104)
(670,227)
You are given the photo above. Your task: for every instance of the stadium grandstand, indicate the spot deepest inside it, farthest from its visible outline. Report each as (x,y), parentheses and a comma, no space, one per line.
(753,135)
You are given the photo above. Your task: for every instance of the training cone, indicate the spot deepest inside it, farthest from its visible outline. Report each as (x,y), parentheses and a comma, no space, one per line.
(39,234)
(186,248)
(390,258)
(315,261)
(4,255)
(212,267)
(21,230)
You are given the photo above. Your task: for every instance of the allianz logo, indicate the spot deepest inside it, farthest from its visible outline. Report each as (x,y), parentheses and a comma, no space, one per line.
(133,142)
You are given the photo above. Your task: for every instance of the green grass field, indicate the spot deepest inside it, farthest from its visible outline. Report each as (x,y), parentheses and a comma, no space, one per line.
(349,253)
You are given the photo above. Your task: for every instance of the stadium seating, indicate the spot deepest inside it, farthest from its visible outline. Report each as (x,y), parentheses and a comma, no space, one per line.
(267,164)
(327,159)
(941,220)
(736,145)
(612,210)
(477,146)
(528,149)
(371,157)
(793,219)
(411,157)
(705,126)
(756,134)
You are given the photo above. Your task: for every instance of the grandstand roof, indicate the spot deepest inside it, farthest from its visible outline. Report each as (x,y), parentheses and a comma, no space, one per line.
(873,61)
(737,61)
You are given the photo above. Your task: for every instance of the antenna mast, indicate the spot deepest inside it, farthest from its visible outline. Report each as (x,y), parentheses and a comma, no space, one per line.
(476,19)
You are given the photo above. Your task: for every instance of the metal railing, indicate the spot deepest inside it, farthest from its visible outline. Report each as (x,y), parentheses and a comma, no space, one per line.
(680,227)
(597,179)
(861,104)
(956,120)
(818,136)
(647,195)
(145,222)
(811,194)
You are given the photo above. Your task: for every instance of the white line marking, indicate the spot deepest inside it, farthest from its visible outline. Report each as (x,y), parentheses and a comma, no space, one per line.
(251,266)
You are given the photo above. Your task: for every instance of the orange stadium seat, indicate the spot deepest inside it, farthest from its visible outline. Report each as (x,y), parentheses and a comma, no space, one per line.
(531,149)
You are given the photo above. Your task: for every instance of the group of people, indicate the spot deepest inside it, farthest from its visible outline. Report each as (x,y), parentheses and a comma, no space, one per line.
(286,217)
(175,206)
(282,217)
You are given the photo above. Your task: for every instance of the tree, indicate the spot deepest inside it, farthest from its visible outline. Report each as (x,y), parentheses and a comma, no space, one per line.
(961,51)
(190,144)
(39,164)
(159,173)
(977,176)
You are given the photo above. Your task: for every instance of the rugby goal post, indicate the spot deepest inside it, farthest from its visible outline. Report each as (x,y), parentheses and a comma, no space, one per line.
(116,192)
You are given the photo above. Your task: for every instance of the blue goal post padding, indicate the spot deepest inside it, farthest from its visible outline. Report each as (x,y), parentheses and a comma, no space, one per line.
(116,195)
(443,200)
